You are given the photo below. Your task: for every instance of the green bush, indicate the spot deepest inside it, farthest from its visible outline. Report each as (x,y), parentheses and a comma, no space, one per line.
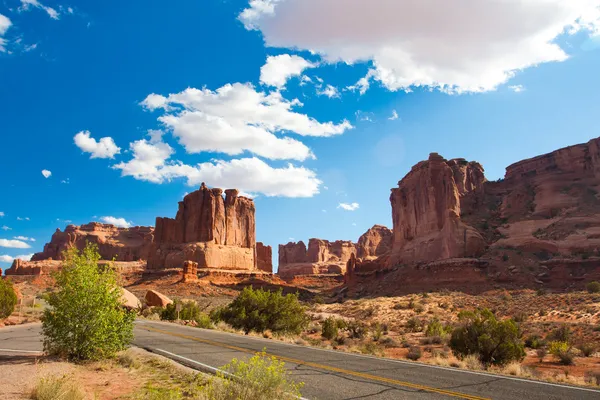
(435,328)
(260,378)
(562,351)
(356,330)
(85,319)
(593,287)
(330,328)
(492,340)
(414,353)
(414,325)
(190,311)
(560,334)
(259,310)
(534,342)
(8,298)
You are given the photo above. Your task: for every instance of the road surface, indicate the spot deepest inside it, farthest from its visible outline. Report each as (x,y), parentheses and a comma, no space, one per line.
(327,374)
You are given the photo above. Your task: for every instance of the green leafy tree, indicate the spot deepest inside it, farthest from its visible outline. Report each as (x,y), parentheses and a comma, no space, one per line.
(261,310)
(8,298)
(492,340)
(85,320)
(593,287)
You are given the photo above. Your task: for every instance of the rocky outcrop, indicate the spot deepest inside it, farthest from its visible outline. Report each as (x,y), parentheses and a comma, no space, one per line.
(122,244)
(374,243)
(321,257)
(20,267)
(264,258)
(213,230)
(426,210)
(129,300)
(190,272)
(156,299)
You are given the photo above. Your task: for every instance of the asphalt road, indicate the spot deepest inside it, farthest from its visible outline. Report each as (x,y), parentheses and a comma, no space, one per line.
(326,374)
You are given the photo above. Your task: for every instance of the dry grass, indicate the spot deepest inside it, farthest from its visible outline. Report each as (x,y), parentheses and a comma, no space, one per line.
(57,388)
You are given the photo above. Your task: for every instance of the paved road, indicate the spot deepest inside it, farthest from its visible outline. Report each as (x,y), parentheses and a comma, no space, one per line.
(326,374)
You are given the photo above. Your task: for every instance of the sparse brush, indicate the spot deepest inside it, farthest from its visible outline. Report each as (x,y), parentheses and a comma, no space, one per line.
(128,360)
(586,349)
(592,377)
(56,388)
(563,352)
(414,325)
(593,287)
(472,362)
(541,353)
(389,342)
(414,353)
(516,369)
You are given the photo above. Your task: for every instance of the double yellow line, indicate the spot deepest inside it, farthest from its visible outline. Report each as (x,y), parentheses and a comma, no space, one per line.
(327,367)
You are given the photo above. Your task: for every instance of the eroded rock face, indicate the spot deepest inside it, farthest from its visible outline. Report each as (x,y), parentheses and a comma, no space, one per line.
(213,230)
(190,271)
(321,257)
(264,258)
(123,244)
(374,243)
(156,299)
(20,267)
(426,210)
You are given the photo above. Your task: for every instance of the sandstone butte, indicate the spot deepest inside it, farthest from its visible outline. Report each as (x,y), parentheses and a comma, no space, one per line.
(540,225)
(211,230)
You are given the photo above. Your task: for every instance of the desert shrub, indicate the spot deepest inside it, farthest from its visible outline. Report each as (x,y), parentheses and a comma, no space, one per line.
(414,353)
(128,360)
(259,310)
(432,340)
(400,306)
(562,351)
(388,342)
(541,353)
(520,317)
(260,378)
(330,328)
(318,299)
(356,330)
(534,342)
(540,292)
(593,287)
(377,331)
(492,340)
(586,349)
(56,388)
(85,319)
(435,328)
(190,311)
(560,334)
(371,348)
(8,298)
(204,321)
(413,325)
(592,377)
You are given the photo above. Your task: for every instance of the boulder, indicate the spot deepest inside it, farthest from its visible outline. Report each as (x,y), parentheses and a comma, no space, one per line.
(129,300)
(156,299)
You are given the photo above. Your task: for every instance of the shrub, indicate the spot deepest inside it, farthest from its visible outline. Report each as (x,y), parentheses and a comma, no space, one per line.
(493,341)
(330,328)
(414,325)
(435,328)
(56,388)
(586,349)
(593,287)
(262,377)
(560,334)
(541,353)
(520,317)
(356,330)
(371,348)
(85,319)
(204,321)
(259,310)
(318,299)
(414,353)
(562,351)
(592,377)
(534,342)
(540,292)
(389,342)
(190,311)
(378,331)
(8,298)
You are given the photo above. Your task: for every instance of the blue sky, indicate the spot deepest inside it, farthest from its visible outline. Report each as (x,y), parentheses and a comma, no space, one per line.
(315,109)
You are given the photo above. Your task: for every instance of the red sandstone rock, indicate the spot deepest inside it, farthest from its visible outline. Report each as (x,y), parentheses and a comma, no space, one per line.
(321,257)
(129,300)
(426,216)
(213,231)
(156,299)
(123,244)
(190,271)
(264,258)
(20,267)
(375,242)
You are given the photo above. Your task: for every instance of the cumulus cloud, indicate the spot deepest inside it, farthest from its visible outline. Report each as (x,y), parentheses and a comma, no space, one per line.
(237,118)
(119,222)
(47,174)
(5,23)
(15,244)
(25,238)
(329,91)
(517,88)
(27,4)
(104,148)
(278,69)
(9,259)
(1,214)
(349,206)
(472,46)
(6,228)
(394,116)
(22,218)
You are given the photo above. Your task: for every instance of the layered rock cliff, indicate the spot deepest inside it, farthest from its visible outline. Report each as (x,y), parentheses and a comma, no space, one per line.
(264,258)
(213,230)
(122,244)
(374,243)
(321,257)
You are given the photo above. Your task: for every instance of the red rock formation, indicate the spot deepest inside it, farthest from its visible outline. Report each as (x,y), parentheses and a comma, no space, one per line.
(123,244)
(426,211)
(264,258)
(213,231)
(190,271)
(156,299)
(374,243)
(20,267)
(321,257)
(350,269)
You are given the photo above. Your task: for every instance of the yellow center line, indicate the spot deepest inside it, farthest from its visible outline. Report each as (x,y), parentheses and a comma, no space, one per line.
(326,367)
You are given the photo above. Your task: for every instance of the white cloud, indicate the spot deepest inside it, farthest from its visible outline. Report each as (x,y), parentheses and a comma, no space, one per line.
(15,244)
(394,116)
(6,228)
(278,69)
(1,214)
(364,116)
(25,238)
(9,259)
(119,222)
(151,163)
(354,224)
(46,173)
(104,148)
(30,47)
(65,181)
(472,46)
(5,23)
(517,88)
(304,80)
(236,118)
(324,211)
(26,4)
(348,206)
(22,218)
(329,91)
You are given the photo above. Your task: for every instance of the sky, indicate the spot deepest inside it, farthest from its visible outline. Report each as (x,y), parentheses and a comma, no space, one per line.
(113,111)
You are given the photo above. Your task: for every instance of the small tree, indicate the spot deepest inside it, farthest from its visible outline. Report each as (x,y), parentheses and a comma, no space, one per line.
(8,298)
(593,287)
(493,341)
(85,320)
(259,310)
